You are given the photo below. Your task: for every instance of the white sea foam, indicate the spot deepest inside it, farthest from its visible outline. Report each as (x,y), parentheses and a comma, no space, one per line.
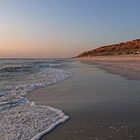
(62,118)
(29,121)
(21,119)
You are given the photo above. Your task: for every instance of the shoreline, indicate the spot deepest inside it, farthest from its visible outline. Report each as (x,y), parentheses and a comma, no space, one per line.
(126,66)
(32,120)
(51,127)
(97,111)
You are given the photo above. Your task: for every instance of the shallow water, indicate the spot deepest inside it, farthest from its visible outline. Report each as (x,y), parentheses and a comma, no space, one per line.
(101,106)
(19,78)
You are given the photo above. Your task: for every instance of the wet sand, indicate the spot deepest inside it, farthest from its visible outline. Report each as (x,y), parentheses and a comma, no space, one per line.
(101,105)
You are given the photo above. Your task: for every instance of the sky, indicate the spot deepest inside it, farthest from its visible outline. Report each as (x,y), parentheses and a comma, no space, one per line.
(64,28)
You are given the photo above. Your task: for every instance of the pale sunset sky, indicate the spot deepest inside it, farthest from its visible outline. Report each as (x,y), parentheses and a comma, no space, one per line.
(65,28)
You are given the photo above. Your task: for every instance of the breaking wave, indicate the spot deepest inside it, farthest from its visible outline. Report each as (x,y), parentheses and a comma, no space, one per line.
(16,111)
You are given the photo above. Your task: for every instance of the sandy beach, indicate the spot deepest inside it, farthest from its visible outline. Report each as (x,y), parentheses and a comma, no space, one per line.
(127,66)
(101,105)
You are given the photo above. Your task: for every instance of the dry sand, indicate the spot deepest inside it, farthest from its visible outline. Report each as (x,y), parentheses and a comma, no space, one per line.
(114,58)
(127,66)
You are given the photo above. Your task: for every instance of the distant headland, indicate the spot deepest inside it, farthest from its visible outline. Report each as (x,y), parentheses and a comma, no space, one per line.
(124,48)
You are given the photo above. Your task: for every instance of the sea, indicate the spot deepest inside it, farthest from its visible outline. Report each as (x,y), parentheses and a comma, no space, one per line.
(20,118)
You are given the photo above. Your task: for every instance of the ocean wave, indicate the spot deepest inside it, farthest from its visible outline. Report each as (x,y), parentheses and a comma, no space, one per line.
(17,68)
(16,111)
